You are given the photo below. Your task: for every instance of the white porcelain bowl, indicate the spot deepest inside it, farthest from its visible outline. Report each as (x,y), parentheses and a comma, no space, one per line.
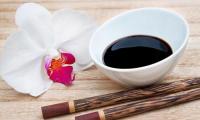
(158,22)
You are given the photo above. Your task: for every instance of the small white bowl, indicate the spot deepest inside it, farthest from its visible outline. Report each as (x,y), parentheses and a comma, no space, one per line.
(162,23)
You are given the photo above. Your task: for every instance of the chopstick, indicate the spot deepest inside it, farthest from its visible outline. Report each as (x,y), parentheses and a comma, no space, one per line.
(118,98)
(141,106)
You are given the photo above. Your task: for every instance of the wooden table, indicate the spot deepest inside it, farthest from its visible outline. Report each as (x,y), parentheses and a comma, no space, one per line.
(16,106)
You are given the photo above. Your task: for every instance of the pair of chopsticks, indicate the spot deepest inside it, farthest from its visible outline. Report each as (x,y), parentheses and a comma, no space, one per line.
(135,101)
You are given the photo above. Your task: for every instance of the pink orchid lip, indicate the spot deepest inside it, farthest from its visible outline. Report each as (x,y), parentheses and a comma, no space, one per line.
(70,59)
(60,69)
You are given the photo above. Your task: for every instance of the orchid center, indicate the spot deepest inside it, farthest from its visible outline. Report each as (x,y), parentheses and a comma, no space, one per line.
(56,63)
(60,68)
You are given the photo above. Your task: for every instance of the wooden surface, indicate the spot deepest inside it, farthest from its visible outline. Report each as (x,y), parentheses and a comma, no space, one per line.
(15,106)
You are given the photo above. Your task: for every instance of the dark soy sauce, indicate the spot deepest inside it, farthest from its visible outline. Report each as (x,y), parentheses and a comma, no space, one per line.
(136,51)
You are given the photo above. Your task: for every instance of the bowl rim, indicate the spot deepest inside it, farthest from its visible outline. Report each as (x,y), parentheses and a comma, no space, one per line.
(184,43)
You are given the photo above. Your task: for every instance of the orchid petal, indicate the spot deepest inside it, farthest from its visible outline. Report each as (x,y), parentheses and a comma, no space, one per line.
(21,81)
(74,30)
(36,21)
(79,48)
(18,51)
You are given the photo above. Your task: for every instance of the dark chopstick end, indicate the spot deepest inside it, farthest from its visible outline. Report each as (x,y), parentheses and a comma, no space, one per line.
(55,110)
(90,116)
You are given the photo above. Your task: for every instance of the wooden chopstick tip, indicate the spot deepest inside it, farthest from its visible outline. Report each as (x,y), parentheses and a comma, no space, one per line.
(55,110)
(90,116)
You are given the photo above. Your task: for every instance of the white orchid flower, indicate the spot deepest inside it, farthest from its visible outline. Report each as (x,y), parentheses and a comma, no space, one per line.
(46,48)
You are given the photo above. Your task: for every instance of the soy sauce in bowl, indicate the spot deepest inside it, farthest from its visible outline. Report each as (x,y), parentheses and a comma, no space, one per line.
(136,51)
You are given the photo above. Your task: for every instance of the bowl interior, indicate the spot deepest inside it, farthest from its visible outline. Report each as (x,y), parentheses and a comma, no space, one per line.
(161,23)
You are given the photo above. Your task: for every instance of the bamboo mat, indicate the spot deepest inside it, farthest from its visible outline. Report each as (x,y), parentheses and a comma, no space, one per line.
(15,106)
